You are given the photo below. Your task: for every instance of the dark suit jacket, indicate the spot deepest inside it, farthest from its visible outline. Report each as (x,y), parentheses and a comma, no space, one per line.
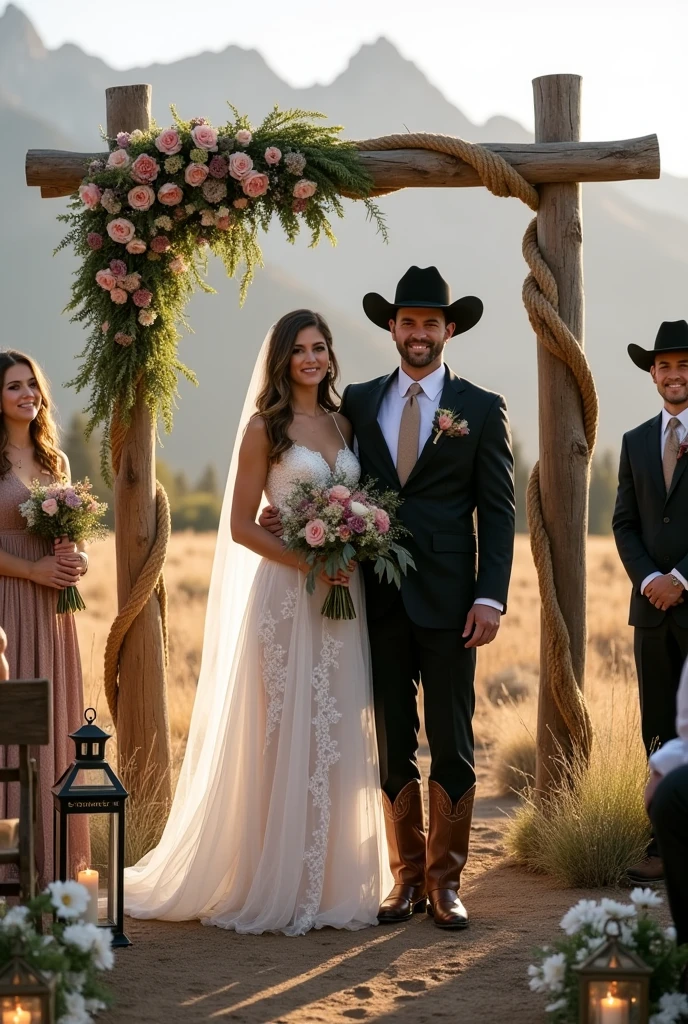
(650,526)
(451,480)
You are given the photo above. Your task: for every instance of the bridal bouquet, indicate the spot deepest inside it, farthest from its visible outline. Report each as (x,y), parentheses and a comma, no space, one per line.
(334,526)
(65,510)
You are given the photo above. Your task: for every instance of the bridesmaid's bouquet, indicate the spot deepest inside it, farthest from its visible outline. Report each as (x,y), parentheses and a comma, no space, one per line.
(334,526)
(65,510)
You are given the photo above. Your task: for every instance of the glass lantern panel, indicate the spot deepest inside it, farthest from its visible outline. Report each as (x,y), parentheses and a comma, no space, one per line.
(92,778)
(100,877)
(614,1002)
(21,1010)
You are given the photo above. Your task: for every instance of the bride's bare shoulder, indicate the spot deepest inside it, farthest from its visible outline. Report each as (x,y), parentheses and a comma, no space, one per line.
(256,434)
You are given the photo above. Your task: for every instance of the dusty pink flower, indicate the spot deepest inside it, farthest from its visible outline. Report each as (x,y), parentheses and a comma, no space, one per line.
(273,155)
(110,202)
(118,268)
(240,204)
(214,191)
(178,266)
(96,166)
(131,283)
(357,524)
(179,213)
(223,223)
(444,422)
(338,493)
(136,246)
(145,169)
(201,241)
(198,120)
(141,197)
(160,243)
(121,230)
(218,167)
(255,184)
(295,163)
(118,160)
(119,296)
(205,137)
(207,218)
(239,165)
(49,506)
(381,520)
(94,240)
(123,339)
(105,326)
(123,139)
(195,174)
(168,142)
(304,189)
(299,205)
(344,532)
(142,298)
(315,533)
(72,499)
(170,194)
(106,279)
(147,317)
(243,136)
(90,195)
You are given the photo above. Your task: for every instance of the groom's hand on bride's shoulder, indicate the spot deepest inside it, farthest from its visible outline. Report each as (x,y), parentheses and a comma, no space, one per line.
(482,625)
(271,521)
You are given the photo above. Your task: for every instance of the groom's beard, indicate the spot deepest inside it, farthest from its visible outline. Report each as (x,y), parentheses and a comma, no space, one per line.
(419,359)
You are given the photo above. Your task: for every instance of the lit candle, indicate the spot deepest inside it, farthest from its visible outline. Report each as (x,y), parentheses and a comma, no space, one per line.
(613,1010)
(16,1016)
(89,879)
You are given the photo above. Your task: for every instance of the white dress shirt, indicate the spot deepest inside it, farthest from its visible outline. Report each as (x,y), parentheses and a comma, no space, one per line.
(674,754)
(389,418)
(682,417)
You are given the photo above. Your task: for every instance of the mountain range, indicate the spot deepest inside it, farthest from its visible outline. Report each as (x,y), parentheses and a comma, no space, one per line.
(636,240)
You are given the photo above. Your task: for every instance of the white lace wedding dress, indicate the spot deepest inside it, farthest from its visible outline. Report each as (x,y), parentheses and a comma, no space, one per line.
(290,836)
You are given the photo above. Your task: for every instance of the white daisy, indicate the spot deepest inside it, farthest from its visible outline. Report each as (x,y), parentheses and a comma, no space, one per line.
(69,899)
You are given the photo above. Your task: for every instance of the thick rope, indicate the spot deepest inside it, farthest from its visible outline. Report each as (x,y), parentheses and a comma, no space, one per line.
(541,299)
(150,581)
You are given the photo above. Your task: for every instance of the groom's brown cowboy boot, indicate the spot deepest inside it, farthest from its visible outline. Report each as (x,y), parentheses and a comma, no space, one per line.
(406,843)
(450,829)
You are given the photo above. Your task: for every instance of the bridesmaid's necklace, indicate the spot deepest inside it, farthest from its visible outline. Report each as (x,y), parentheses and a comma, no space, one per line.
(18,463)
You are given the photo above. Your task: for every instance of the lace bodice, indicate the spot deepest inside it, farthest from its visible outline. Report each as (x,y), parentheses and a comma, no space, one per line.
(300,463)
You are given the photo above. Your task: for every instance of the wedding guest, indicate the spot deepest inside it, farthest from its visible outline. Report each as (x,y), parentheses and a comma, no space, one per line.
(650,531)
(666,797)
(4,664)
(41,643)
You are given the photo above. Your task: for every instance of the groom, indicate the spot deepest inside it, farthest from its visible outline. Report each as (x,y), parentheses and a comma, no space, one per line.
(448,479)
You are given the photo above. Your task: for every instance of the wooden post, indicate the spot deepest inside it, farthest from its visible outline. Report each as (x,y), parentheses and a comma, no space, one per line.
(143,735)
(563,449)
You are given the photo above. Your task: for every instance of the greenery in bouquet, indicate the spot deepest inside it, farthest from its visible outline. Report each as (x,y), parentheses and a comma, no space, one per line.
(145,218)
(65,510)
(335,526)
(73,952)
(585,927)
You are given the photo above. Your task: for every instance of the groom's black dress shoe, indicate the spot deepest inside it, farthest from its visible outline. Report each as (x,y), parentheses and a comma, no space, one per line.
(450,829)
(406,843)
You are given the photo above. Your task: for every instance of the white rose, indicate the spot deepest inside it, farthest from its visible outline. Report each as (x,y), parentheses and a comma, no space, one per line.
(358,509)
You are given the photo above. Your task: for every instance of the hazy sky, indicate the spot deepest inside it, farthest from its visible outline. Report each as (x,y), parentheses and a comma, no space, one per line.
(482,55)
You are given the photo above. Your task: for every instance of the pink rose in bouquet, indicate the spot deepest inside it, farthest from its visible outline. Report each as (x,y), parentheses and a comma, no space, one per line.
(315,533)
(106,279)
(121,230)
(195,174)
(119,296)
(339,493)
(243,137)
(145,169)
(49,506)
(142,298)
(118,160)
(381,520)
(170,194)
(90,195)
(240,204)
(304,189)
(273,155)
(205,137)
(239,165)
(141,197)
(255,184)
(136,246)
(168,142)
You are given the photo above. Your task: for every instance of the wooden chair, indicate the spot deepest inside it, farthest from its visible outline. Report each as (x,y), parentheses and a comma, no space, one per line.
(25,720)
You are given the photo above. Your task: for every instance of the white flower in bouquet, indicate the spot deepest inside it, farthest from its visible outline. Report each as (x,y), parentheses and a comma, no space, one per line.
(673,1006)
(670,933)
(560,1004)
(359,509)
(81,935)
(554,971)
(16,921)
(644,898)
(102,949)
(70,899)
(536,983)
(612,910)
(582,913)
(76,1010)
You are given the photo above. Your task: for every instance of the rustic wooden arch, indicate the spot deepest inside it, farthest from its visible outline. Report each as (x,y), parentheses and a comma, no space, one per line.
(556,164)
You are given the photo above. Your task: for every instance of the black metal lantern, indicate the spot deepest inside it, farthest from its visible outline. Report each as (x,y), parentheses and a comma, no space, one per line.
(90,786)
(614,984)
(26,995)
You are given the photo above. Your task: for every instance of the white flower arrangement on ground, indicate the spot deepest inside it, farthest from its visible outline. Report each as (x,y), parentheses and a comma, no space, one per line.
(584,928)
(74,952)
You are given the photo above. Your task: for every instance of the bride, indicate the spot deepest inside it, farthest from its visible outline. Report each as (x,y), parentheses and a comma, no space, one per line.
(276,823)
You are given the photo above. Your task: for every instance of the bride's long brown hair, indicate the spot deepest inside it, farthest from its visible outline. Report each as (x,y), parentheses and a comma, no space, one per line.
(42,430)
(274,403)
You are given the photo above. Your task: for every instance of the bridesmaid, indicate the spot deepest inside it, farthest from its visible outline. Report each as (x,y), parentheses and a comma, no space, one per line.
(40,643)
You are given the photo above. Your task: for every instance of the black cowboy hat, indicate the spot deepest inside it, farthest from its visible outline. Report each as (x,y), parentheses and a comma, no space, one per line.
(426,289)
(672,336)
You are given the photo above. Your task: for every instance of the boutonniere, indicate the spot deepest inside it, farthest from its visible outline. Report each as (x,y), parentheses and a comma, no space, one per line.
(446,422)
(682,449)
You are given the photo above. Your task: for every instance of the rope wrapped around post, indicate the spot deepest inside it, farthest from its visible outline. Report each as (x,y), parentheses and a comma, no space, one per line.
(541,300)
(150,581)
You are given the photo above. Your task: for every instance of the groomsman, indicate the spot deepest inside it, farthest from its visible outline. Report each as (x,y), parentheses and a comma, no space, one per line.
(651,531)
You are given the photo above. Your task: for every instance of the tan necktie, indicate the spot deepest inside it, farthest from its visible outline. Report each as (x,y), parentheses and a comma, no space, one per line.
(670,451)
(409,435)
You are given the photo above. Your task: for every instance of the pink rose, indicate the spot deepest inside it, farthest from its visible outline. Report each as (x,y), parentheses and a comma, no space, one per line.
(195,174)
(381,521)
(243,136)
(118,160)
(444,422)
(170,194)
(273,155)
(119,296)
(223,223)
(344,533)
(49,506)
(145,169)
(105,326)
(141,197)
(205,137)
(106,279)
(94,240)
(255,184)
(315,533)
(240,204)
(168,142)
(218,167)
(304,189)
(90,195)
(142,298)
(338,493)
(239,165)
(121,230)
(160,243)
(178,266)
(136,246)
(123,339)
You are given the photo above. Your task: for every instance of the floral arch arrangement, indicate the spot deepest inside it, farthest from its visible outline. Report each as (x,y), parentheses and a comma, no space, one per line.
(144,220)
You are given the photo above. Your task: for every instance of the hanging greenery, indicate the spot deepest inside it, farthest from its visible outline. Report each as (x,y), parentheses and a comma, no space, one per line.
(144,220)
